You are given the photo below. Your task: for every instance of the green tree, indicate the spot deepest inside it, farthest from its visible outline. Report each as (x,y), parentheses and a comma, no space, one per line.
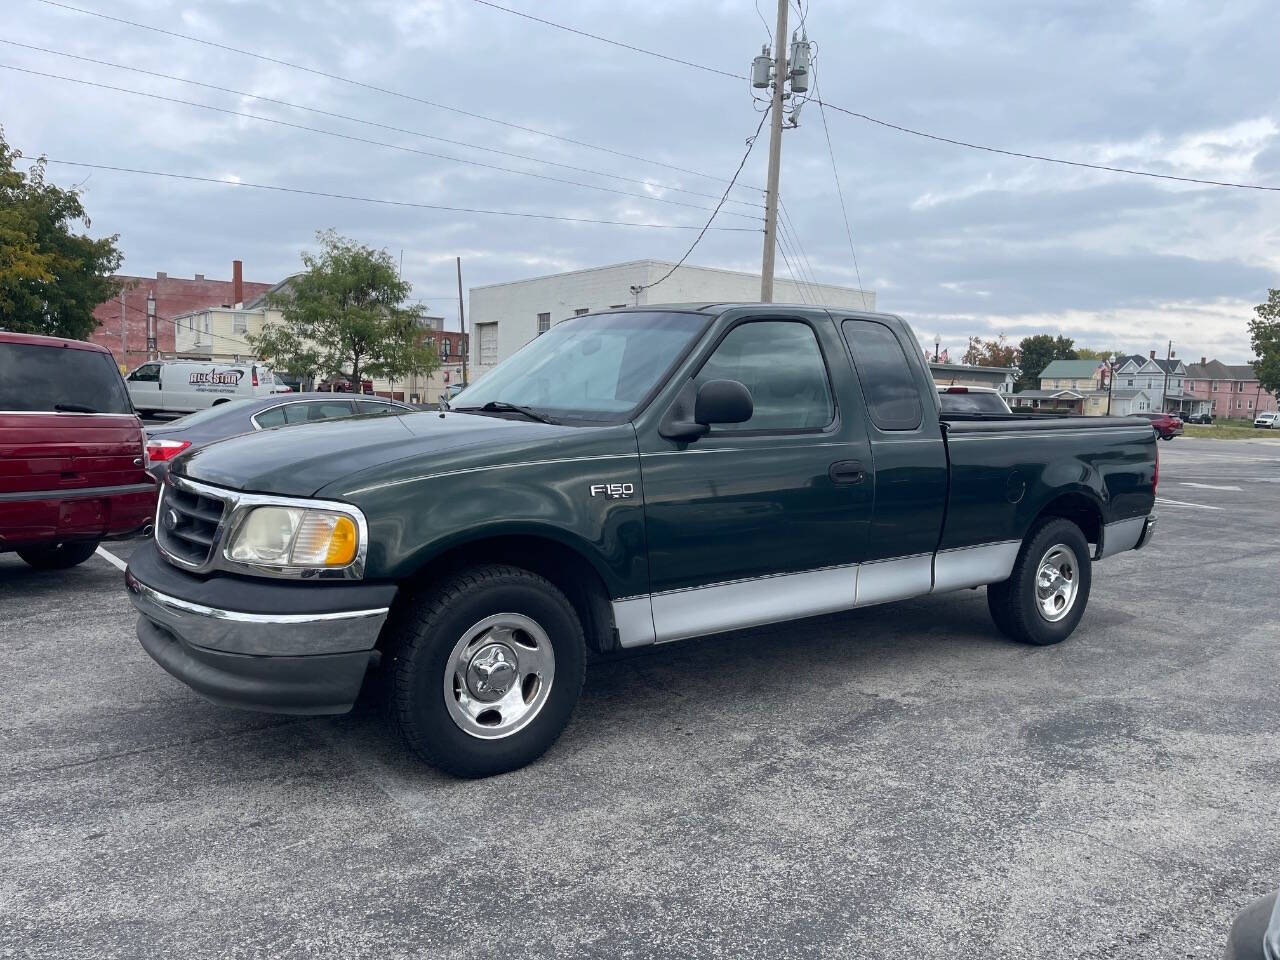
(346,315)
(51,277)
(1088,353)
(1264,335)
(1037,352)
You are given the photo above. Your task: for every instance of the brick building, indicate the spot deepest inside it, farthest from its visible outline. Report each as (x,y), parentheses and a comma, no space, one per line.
(174,296)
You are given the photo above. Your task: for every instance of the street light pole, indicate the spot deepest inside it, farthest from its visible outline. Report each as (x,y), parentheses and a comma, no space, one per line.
(1164,396)
(151,325)
(1111,380)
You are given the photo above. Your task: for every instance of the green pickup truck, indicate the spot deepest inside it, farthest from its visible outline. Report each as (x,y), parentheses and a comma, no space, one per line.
(628,478)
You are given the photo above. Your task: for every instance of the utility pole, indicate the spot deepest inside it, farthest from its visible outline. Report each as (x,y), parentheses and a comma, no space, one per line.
(1111,379)
(462,322)
(775,154)
(1164,396)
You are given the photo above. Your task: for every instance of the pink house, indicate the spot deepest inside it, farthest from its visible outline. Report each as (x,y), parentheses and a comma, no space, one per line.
(1229,390)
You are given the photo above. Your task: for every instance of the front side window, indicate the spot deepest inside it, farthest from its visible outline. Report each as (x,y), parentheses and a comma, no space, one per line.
(780,363)
(60,379)
(597,367)
(147,373)
(891,392)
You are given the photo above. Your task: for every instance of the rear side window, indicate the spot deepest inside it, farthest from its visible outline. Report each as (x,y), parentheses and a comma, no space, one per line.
(370,406)
(780,363)
(891,392)
(318,410)
(60,379)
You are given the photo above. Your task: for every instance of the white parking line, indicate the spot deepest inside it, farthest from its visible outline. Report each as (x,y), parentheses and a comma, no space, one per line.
(111,558)
(1209,486)
(1183,503)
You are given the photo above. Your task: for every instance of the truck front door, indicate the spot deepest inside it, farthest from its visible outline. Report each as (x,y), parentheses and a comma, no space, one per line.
(764,520)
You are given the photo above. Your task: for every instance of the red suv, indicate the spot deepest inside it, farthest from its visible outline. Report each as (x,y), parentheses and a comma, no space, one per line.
(72,460)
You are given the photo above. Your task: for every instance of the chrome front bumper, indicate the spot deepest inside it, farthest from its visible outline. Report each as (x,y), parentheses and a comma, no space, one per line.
(278,663)
(258,634)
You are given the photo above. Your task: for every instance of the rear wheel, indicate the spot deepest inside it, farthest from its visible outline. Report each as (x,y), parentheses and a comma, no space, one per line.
(1043,600)
(58,556)
(486,670)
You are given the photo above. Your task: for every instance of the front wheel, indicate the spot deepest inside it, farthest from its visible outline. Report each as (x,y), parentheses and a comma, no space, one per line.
(58,556)
(1043,600)
(486,670)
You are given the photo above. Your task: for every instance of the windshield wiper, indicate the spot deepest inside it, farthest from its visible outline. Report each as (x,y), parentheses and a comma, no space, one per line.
(501,406)
(74,408)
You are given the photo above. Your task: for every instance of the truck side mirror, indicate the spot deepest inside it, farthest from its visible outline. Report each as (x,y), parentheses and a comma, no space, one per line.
(722,401)
(695,408)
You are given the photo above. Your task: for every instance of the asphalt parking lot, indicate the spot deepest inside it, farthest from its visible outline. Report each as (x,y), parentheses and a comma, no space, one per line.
(894,782)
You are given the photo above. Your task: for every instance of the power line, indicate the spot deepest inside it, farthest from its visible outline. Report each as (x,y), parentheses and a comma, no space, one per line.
(390,203)
(367,122)
(835,173)
(613,43)
(751,141)
(1044,159)
(787,238)
(377,89)
(802,255)
(902,129)
(782,249)
(365,140)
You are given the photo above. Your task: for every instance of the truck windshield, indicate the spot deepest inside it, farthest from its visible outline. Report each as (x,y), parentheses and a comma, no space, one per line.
(49,379)
(597,367)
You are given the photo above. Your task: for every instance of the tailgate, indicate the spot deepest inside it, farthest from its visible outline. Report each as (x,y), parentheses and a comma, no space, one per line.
(68,475)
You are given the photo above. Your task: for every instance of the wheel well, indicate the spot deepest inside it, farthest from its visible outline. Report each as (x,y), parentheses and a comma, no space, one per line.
(1080,510)
(220,400)
(570,572)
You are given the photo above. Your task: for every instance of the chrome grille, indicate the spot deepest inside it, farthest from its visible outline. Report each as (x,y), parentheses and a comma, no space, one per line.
(187,527)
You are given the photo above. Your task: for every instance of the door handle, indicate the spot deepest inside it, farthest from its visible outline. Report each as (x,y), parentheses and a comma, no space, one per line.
(847,471)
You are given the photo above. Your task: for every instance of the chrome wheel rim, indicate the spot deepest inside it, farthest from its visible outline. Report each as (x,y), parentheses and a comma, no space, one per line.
(1057,582)
(499,675)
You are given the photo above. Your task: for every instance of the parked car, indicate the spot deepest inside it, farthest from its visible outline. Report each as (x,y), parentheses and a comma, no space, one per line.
(166,441)
(976,400)
(632,477)
(71,460)
(1255,934)
(343,385)
(1266,421)
(1198,418)
(1167,425)
(184,386)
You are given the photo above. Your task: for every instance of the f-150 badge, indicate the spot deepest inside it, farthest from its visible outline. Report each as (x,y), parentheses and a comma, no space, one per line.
(613,491)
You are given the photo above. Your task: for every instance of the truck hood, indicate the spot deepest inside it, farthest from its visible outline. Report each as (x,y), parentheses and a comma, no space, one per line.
(302,460)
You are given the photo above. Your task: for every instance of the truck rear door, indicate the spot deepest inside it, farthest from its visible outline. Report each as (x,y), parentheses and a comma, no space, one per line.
(909,458)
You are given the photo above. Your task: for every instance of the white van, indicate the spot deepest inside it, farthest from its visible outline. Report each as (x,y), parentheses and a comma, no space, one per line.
(184,386)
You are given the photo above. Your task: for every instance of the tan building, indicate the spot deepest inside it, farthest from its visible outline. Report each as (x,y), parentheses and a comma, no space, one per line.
(221,333)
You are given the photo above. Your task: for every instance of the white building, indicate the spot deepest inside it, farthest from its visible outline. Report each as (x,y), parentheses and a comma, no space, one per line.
(506,316)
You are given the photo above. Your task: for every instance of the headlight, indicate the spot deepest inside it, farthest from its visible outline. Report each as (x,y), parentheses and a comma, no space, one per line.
(294,537)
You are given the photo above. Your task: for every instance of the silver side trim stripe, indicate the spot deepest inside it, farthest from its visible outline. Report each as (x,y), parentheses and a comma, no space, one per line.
(775,598)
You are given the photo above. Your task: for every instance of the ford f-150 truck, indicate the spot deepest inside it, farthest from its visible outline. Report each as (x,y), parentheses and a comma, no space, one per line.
(628,478)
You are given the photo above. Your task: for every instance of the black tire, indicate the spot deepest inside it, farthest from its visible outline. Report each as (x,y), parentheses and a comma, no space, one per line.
(1167,437)
(421,646)
(1014,603)
(58,556)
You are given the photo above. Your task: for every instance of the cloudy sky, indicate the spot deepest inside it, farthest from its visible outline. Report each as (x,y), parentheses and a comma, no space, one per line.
(961,242)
